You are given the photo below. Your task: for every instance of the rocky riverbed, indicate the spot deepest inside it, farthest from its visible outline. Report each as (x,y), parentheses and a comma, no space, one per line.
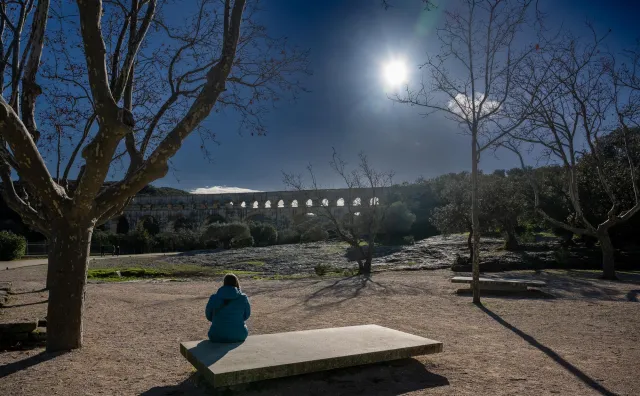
(301,259)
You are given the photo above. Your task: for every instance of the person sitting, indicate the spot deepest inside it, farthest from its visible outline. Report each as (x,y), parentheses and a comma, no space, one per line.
(227,310)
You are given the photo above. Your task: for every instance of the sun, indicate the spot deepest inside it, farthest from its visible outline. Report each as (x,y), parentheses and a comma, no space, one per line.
(395,72)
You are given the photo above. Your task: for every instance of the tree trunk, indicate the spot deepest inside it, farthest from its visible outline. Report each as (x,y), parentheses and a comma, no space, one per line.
(475,221)
(68,262)
(608,257)
(364,264)
(51,263)
(510,241)
(470,244)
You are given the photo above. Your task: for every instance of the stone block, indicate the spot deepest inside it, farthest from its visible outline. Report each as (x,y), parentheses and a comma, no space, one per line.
(501,284)
(268,356)
(18,327)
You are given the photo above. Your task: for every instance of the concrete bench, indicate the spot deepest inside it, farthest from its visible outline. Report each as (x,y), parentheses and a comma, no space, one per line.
(268,356)
(500,283)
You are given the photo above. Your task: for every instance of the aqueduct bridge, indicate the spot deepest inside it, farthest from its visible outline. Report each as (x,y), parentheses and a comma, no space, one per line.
(280,208)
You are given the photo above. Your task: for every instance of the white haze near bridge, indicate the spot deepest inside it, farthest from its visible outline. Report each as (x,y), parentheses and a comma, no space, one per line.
(221,190)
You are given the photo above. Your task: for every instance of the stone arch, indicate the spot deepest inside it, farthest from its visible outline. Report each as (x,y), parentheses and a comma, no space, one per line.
(309,203)
(375,201)
(356,202)
(267,204)
(281,204)
(243,204)
(324,202)
(255,205)
(294,203)
(123,225)
(340,202)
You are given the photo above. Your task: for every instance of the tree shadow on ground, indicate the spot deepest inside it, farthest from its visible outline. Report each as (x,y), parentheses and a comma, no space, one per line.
(12,368)
(515,295)
(384,379)
(588,284)
(576,283)
(632,295)
(342,290)
(579,374)
(44,289)
(274,287)
(25,304)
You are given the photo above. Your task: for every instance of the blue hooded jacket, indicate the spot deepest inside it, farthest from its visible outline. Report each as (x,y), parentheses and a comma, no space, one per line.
(227,310)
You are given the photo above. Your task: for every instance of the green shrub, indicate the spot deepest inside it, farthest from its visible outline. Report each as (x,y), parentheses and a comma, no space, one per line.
(288,236)
(264,234)
(12,246)
(242,242)
(137,241)
(322,269)
(315,234)
(225,233)
(398,219)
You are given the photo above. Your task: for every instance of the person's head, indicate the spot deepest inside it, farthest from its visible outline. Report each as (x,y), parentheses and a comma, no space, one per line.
(231,280)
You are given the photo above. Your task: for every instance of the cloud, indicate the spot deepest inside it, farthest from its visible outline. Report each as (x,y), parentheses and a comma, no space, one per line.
(462,104)
(221,190)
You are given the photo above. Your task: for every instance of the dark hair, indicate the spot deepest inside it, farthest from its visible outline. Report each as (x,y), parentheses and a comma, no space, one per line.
(231,280)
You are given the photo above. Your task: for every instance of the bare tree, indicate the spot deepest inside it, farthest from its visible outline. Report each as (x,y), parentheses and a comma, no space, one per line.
(366,204)
(581,95)
(470,81)
(122,86)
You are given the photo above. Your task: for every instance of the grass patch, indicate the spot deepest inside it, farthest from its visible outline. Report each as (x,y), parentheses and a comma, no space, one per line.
(166,271)
(126,273)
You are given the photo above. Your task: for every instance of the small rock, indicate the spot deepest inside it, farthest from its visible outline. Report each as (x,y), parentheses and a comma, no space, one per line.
(19,327)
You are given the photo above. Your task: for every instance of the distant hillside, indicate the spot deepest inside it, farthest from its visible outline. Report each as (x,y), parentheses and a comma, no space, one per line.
(153,191)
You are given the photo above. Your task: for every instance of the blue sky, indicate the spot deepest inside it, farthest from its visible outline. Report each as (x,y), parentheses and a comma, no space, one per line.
(347,107)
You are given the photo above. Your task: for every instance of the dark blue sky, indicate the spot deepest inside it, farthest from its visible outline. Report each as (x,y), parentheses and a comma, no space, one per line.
(347,107)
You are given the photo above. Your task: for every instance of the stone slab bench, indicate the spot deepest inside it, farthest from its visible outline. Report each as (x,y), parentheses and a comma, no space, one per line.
(269,356)
(501,284)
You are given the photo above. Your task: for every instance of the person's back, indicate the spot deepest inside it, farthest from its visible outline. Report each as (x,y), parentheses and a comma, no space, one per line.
(227,311)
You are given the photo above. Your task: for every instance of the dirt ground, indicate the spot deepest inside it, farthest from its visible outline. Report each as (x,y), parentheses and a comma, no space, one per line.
(581,339)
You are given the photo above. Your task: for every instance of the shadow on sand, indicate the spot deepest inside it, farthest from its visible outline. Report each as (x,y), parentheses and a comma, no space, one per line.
(385,379)
(12,368)
(579,374)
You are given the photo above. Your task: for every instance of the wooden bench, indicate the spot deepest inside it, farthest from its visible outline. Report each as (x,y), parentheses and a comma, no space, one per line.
(501,284)
(268,356)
